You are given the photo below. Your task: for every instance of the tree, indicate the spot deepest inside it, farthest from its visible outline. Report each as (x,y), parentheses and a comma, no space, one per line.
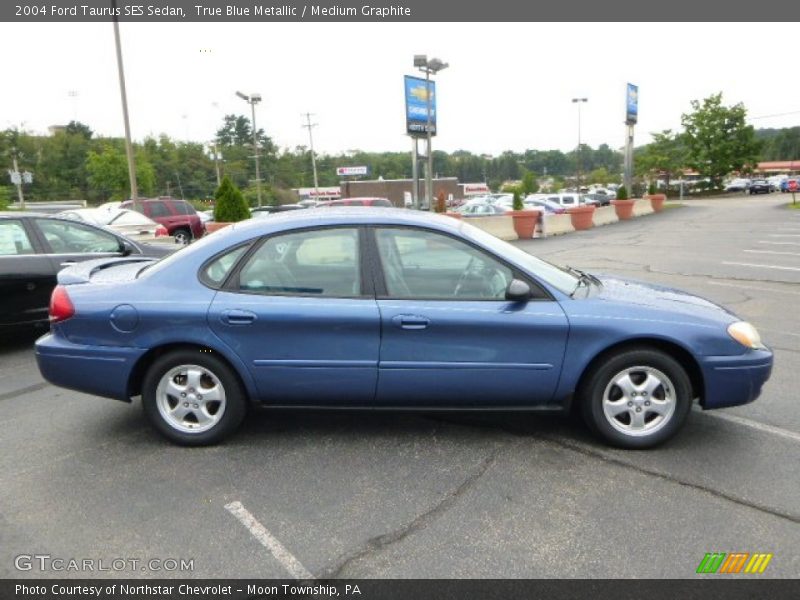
(529,184)
(230,205)
(718,140)
(107,173)
(667,154)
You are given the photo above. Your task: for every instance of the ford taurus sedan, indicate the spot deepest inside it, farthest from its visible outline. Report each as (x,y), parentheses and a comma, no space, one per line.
(389,309)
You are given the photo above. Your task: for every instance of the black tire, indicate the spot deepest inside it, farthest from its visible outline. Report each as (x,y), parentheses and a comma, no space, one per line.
(233,408)
(600,378)
(182,236)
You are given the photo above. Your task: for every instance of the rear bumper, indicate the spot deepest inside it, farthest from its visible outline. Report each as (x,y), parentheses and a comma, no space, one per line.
(99,370)
(735,380)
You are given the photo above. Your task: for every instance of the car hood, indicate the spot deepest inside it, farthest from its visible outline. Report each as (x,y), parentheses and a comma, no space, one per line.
(656,297)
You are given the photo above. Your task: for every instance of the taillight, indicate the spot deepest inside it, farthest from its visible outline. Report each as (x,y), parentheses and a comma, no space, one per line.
(61,307)
(161,231)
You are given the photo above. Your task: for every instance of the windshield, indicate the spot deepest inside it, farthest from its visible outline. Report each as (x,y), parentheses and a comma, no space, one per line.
(556,276)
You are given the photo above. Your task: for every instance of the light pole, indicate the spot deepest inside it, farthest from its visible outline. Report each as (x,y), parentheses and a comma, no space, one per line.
(309,125)
(123,94)
(429,67)
(252,100)
(578,101)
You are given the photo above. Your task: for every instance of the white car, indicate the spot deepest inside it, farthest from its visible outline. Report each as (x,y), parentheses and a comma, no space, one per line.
(133,225)
(738,185)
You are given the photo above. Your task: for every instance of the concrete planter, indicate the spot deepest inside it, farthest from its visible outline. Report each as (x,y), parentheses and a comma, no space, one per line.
(524,222)
(657,201)
(581,217)
(624,208)
(213,226)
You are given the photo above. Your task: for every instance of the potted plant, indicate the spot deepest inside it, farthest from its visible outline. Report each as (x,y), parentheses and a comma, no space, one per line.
(623,205)
(229,206)
(582,216)
(656,200)
(524,220)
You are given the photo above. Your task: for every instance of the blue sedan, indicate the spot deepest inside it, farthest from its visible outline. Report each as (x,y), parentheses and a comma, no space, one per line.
(389,309)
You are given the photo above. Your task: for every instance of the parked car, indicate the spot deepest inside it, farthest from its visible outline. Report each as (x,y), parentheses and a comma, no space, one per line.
(738,185)
(389,309)
(787,184)
(133,225)
(34,247)
(482,210)
(760,186)
(265,211)
(597,199)
(178,216)
(359,202)
(566,200)
(549,206)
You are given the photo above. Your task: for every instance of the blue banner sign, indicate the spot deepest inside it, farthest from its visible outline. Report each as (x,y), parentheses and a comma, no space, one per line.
(417,106)
(632,104)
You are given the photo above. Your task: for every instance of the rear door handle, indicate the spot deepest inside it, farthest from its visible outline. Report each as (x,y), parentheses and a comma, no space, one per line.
(411,322)
(238,317)
(68,263)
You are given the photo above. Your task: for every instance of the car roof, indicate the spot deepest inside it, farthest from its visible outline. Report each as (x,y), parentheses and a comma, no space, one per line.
(352,215)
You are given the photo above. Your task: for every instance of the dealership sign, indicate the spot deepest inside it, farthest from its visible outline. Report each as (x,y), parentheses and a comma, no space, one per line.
(351,171)
(417,101)
(632,104)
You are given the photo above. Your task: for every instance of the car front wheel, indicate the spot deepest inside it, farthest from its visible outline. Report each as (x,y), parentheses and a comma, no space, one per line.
(637,399)
(193,398)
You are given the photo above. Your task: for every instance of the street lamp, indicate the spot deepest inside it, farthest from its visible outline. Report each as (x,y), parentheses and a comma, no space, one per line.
(578,101)
(429,67)
(252,100)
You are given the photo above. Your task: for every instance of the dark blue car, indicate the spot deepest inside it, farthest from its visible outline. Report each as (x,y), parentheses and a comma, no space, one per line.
(389,309)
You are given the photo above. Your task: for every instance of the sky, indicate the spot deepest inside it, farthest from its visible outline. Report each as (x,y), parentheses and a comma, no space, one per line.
(508,87)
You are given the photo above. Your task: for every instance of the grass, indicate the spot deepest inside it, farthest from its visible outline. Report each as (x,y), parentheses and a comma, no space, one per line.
(793,205)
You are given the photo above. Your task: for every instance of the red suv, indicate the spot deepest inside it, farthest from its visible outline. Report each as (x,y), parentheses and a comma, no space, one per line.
(178,216)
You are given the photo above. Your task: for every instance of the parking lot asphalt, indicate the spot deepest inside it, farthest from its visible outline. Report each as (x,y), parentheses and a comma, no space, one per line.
(437,495)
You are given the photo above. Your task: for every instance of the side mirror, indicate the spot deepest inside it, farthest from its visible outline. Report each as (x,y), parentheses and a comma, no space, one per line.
(126,248)
(518,291)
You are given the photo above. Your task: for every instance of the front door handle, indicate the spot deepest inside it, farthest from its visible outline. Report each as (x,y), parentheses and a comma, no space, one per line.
(411,321)
(236,316)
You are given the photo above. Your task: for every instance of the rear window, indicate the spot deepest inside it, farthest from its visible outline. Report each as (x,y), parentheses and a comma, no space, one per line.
(381,202)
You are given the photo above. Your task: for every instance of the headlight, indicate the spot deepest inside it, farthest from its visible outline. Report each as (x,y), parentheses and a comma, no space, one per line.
(746,335)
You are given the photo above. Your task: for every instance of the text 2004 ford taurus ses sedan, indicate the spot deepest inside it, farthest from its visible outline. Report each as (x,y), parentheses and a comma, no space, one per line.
(389,309)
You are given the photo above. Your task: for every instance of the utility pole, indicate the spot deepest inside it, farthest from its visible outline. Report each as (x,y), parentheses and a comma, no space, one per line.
(252,100)
(578,161)
(124,96)
(216,161)
(309,125)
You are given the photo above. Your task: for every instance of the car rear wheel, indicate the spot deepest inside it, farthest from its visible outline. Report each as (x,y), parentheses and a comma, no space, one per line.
(637,399)
(182,236)
(193,398)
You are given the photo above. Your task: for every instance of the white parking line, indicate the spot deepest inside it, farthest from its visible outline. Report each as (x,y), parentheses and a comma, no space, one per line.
(784,235)
(784,433)
(752,287)
(286,558)
(773,252)
(780,268)
(780,243)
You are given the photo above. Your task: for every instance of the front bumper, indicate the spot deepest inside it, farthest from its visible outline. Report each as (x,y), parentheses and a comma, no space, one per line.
(99,370)
(734,380)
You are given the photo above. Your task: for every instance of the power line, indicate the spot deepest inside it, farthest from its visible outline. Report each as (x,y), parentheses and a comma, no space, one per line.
(794,112)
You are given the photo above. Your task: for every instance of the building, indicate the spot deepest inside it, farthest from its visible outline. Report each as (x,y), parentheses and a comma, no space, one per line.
(400,191)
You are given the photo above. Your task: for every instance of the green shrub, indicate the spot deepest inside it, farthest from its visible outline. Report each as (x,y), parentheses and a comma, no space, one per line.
(517,204)
(5,197)
(651,189)
(230,205)
(622,193)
